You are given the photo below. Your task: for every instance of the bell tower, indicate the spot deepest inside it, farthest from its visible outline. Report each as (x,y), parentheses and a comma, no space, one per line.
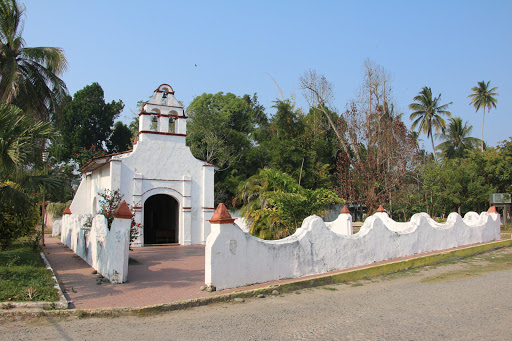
(163,114)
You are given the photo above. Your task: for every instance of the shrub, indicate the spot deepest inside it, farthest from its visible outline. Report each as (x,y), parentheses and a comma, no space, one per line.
(57,208)
(18,218)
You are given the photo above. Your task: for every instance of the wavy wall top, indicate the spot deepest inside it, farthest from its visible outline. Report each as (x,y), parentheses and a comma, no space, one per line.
(235,258)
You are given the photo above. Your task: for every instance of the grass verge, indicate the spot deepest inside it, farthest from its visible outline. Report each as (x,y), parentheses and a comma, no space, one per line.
(23,275)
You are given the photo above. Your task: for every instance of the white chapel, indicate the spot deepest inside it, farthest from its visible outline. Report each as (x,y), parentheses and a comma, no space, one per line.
(170,191)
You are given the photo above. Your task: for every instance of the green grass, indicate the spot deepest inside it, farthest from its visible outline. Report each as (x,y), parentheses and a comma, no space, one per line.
(23,276)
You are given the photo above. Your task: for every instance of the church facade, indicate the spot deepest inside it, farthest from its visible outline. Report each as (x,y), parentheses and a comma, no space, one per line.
(171,193)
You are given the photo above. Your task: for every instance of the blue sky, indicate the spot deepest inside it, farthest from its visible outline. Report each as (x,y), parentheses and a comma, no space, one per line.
(131,47)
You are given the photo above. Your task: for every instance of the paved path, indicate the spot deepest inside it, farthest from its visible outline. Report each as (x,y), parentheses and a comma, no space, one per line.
(157,274)
(467,300)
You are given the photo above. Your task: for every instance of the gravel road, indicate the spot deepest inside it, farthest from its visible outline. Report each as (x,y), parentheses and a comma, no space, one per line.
(466,300)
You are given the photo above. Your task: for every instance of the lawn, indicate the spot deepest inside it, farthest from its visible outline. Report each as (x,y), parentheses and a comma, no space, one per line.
(23,275)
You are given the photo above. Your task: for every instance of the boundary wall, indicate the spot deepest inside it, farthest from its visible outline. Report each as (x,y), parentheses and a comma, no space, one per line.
(107,251)
(234,258)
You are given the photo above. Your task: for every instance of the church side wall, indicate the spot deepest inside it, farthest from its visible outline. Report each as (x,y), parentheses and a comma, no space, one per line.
(81,203)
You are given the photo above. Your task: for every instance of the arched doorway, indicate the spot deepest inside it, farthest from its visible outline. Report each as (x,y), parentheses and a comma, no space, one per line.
(161,220)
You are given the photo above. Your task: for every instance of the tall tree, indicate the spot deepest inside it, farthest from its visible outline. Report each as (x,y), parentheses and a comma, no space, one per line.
(120,139)
(224,129)
(456,139)
(483,97)
(86,122)
(427,114)
(29,76)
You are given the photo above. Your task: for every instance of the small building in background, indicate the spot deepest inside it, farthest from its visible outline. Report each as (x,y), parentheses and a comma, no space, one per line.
(170,192)
(502,201)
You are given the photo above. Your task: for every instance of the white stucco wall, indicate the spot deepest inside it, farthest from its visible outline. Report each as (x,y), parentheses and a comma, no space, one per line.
(104,250)
(234,258)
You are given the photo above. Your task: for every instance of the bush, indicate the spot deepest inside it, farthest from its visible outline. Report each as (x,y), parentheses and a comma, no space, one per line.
(57,208)
(17,217)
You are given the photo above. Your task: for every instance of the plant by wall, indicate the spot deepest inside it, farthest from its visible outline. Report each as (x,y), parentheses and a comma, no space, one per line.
(275,205)
(111,201)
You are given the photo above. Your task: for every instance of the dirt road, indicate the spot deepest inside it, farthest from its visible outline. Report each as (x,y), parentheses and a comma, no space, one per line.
(466,300)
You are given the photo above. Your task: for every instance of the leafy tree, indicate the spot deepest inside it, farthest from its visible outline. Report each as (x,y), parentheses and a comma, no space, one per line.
(483,97)
(28,75)
(456,139)
(121,137)
(303,146)
(223,129)
(275,205)
(86,122)
(427,114)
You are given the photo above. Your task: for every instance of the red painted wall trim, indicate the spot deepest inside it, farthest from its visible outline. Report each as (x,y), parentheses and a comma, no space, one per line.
(160,133)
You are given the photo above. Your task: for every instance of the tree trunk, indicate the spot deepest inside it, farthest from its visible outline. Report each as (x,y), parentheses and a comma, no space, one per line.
(433,148)
(483,120)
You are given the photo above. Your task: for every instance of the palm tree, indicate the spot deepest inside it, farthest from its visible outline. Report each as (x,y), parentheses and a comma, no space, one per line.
(457,139)
(28,75)
(428,114)
(19,134)
(483,97)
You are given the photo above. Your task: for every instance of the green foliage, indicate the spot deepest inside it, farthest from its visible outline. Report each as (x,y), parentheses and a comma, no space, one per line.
(485,98)
(456,139)
(120,140)
(29,75)
(18,215)
(20,139)
(223,129)
(275,205)
(86,154)
(23,275)
(85,122)
(57,208)
(427,113)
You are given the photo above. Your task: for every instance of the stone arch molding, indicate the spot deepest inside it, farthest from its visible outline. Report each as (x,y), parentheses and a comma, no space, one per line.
(163,190)
(184,228)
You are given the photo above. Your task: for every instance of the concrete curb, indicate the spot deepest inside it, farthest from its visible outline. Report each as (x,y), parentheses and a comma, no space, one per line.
(62,303)
(325,279)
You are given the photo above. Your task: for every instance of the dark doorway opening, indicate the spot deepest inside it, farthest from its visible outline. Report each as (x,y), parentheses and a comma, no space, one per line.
(161,220)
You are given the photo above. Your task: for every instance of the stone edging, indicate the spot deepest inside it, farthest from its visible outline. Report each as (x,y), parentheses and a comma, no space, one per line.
(333,278)
(62,303)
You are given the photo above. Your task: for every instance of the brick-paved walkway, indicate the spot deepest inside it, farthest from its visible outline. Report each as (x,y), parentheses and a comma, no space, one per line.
(160,274)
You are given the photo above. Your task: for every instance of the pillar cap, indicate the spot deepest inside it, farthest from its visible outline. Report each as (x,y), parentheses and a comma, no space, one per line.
(345,210)
(123,211)
(67,210)
(492,209)
(221,216)
(381,209)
